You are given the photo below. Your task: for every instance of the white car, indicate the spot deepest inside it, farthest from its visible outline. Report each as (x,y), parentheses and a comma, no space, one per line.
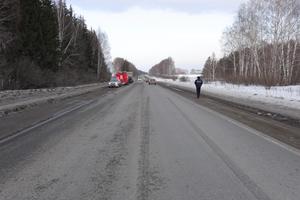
(114,83)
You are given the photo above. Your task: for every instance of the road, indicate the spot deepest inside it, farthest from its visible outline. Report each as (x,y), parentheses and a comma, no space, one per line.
(145,142)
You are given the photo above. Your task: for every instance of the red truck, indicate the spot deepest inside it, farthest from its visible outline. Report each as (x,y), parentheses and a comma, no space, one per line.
(122,77)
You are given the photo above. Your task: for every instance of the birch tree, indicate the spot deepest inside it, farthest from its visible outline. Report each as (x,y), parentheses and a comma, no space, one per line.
(230,46)
(213,66)
(68,27)
(266,36)
(104,56)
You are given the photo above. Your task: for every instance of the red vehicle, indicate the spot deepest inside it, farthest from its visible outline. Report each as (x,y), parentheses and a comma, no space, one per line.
(122,77)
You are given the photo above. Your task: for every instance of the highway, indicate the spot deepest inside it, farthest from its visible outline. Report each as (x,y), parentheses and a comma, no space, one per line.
(142,142)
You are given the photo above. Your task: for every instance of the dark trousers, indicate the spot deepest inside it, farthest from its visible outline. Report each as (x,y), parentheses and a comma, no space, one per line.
(198,89)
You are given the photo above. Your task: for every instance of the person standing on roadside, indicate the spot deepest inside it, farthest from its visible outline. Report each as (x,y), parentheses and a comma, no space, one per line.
(198,84)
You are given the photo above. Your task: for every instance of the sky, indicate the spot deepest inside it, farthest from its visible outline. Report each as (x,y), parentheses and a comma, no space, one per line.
(145,32)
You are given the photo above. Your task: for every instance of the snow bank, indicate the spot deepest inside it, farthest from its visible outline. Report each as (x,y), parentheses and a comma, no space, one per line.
(17,100)
(273,99)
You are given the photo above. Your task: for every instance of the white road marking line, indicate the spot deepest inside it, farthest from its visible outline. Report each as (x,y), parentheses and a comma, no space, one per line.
(257,133)
(39,124)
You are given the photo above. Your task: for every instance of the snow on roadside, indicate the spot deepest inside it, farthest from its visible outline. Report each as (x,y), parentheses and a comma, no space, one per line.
(16,100)
(8,95)
(280,96)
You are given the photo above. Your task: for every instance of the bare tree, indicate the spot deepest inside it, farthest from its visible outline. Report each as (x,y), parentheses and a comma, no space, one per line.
(265,36)
(166,68)
(230,45)
(104,54)
(67,31)
(213,66)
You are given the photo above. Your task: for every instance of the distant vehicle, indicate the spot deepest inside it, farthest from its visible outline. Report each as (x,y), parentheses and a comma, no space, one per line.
(122,77)
(130,77)
(152,82)
(130,80)
(114,82)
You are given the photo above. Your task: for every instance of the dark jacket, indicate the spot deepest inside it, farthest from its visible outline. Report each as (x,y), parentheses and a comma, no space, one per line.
(198,83)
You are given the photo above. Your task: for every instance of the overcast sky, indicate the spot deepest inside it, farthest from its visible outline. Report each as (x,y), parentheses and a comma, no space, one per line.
(145,32)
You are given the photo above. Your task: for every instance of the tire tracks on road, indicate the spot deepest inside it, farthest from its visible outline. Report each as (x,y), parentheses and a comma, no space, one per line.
(244,178)
(143,179)
(43,122)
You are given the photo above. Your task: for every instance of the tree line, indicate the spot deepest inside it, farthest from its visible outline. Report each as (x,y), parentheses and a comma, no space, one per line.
(121,64)
(164,68)
(262,46)
(43,43)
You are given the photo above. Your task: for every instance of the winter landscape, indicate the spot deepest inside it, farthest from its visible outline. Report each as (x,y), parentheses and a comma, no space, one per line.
(146,100)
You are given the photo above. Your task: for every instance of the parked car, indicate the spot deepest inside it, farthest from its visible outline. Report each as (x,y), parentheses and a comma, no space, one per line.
(152,82)
(114,83)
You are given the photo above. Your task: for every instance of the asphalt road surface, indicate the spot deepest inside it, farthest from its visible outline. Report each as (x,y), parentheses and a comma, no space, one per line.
(142,142)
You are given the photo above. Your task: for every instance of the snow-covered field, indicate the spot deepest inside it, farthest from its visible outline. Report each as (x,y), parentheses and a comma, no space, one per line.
(280,96)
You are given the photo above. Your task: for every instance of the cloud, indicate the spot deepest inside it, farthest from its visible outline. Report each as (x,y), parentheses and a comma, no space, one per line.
(190,6)
(146,36)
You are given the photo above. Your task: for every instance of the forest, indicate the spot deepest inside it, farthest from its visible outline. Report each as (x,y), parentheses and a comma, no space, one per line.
(121,64)
(164,68)
(43,43)
(262,46)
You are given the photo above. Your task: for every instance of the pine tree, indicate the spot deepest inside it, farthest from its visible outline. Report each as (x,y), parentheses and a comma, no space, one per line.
(51,46)
(38,33)
(29,29)
(49,35)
